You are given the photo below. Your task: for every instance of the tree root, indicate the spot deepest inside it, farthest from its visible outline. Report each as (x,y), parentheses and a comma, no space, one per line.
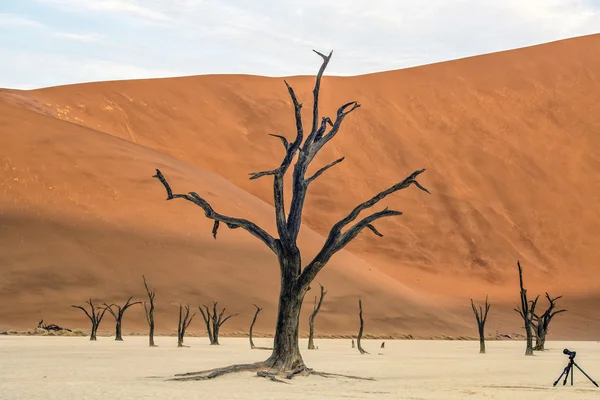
(270,373)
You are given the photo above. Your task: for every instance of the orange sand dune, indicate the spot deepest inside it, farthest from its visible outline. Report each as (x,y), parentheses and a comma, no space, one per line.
(508,140)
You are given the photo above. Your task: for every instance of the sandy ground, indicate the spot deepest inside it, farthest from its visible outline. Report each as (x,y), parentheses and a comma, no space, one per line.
(74,368)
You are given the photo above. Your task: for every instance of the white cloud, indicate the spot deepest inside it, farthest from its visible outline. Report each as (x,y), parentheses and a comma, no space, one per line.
(78,37)
(131,7)
(12,20)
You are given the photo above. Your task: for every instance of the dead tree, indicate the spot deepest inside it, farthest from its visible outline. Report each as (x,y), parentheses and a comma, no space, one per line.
(360,331)
(150,312)
(481,317)
(214,321)
(383,345)
(52,327)
(353,345)
(526,310)
(311,319)
(118,315)
(184,322)
(540,324)
(258,309)
(295,276)
(95,316)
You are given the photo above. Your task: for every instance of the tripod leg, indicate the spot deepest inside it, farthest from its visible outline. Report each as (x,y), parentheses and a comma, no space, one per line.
(586,375)
(561,375)
(569,370)
(572,373)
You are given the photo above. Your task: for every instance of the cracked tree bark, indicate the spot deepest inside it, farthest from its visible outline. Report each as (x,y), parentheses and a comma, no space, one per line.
(526,310)
(311,319)
(360,331)
(95,316)
(214,321)
(295,275)
(184,322)
(541,324)
(150,312)
(481,317)
(118,315)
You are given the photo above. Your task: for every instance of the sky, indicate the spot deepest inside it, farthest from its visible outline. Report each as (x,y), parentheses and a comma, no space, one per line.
(56,42)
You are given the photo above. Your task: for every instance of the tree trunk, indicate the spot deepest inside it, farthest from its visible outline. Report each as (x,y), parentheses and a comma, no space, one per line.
(93,334)
(540,338)
(151,335)
(481,340)
(286,353)
(529,335)
(311,324)
(118,331)
(215,335)
(252,346)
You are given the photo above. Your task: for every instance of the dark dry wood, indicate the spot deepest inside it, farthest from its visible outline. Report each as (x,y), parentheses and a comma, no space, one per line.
(296,280)
(311,319)
(118,315)
(526,310)
(258,309)
(360,331)
(149,312)
(481,317)
(383,345)
(184,322)
(214,321)
(541,324)
(95,316)
(52,327)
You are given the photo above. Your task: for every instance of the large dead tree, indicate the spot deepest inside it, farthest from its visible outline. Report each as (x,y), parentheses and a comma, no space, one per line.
(118,315)
(360,331)
(184,322)
(541,323)
(311,319)
(214,321)
(526,310)
(296,275)
(258,310)
(149,310)
(481,317)
(95,315)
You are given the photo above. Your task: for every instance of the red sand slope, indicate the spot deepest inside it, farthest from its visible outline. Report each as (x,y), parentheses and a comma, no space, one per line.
(509,141)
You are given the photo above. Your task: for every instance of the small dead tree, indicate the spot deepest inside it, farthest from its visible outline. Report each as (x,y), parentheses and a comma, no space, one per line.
(360,331)
(118,315)
(296,276)
(52,327)
(541,323)
(214,321)
(95,316)
(184,322)
(258,310)
(526,310)
(481,317)
(150,312)
(353,345)
(311,319)
(383,345)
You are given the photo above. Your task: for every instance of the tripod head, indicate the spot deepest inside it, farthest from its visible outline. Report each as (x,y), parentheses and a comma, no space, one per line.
(570,353)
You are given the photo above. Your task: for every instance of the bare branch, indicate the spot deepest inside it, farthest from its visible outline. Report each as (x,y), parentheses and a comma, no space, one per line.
(285,142)
(320,172)
(231,222)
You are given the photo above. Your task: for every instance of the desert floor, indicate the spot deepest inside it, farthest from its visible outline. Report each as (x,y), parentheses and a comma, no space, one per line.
(75,368)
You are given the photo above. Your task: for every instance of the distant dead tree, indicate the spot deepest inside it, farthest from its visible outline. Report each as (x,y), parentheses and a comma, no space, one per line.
(383,345)
(150,312)
(311,319)
(95,316)
(360,331)
(52,327)
(541,323)
(184,322)
(526,310)
(353,345)
(258,309)
(481,317)
(118,315)
(214,321)
(296,277)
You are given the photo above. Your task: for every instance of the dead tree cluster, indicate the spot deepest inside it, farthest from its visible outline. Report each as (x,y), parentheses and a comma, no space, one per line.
(296,276)
(214,320)
(535,324)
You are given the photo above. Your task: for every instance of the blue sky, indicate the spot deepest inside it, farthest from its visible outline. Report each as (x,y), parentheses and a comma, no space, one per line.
(55,42)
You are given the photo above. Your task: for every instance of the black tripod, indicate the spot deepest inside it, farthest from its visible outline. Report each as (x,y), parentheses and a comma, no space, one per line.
(569,369)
